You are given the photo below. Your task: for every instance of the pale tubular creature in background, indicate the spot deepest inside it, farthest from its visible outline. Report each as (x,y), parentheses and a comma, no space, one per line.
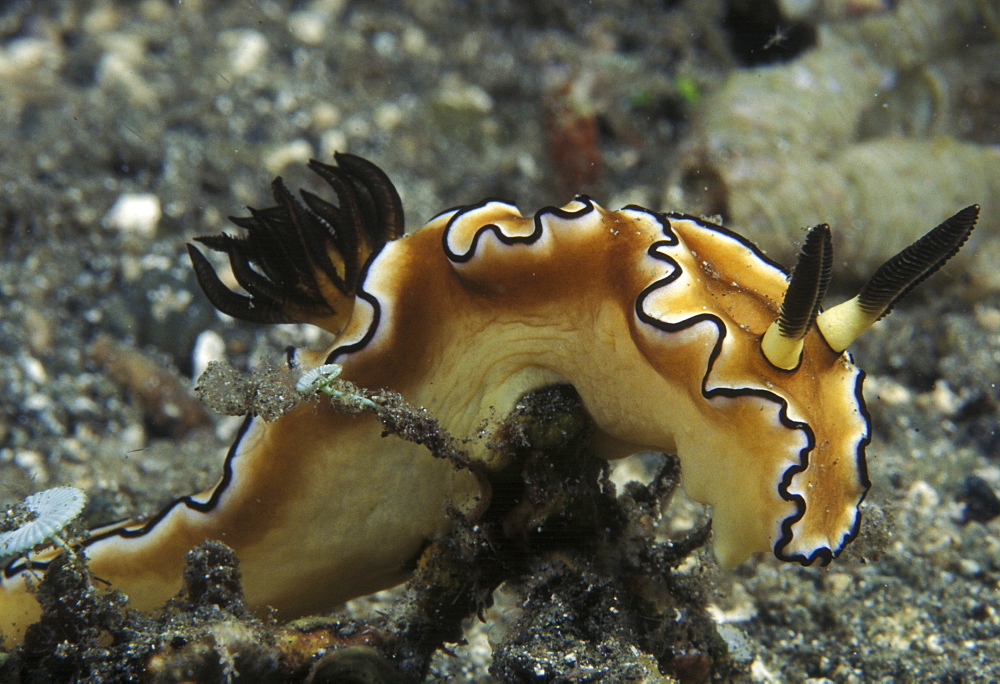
(814,140)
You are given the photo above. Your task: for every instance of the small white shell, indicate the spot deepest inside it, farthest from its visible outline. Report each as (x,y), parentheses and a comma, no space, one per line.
(55,509)
(316,378)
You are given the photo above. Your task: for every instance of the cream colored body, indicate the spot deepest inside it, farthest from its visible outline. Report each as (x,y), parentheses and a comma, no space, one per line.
(321,508)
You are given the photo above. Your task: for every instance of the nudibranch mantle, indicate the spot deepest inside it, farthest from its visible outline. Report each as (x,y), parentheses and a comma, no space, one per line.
(679,336)
(664,348)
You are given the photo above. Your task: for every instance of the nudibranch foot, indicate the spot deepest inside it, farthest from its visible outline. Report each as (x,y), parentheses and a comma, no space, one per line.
(557,519)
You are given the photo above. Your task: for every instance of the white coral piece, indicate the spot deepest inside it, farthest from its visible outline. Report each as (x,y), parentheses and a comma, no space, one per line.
(55,509)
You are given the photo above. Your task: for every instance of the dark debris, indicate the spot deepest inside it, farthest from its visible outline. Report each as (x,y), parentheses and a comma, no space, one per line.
(981,502)
(268,393)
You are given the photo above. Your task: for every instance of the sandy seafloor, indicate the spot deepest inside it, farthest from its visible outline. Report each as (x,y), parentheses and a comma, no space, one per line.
(199,104)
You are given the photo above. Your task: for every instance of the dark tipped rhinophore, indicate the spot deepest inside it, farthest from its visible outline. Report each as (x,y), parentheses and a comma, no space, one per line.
(899,275)
(300,261)
(783,341)
(808,284)
(840,326)
(894,279)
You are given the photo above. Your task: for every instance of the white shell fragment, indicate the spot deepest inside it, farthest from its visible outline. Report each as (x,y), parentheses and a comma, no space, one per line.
(344,394)
(55,509)
(317,379)
(135,213)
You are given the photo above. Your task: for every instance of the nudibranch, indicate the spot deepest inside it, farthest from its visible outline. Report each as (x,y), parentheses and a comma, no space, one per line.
(678,334)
